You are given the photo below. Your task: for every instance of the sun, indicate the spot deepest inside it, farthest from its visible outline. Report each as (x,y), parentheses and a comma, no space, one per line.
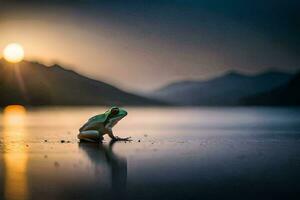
(13,53)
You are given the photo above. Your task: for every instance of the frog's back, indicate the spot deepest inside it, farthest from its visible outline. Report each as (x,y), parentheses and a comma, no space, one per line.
(95,123)
(98,118)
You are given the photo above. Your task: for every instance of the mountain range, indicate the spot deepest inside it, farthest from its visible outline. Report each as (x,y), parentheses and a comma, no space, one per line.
(229,89)
(287,94)
(31,83)
(34,84)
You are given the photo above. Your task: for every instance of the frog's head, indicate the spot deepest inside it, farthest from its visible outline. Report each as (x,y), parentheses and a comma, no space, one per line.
(115,114)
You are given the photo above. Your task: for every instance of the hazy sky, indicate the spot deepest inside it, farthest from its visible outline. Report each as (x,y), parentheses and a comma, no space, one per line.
(141,45)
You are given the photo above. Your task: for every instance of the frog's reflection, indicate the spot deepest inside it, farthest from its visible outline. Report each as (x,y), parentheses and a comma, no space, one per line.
(100,154)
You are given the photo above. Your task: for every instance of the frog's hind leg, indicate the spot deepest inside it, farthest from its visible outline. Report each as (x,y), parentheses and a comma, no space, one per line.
(90,136)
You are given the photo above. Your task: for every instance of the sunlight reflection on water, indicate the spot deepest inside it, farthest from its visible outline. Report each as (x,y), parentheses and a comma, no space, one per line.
(15,153)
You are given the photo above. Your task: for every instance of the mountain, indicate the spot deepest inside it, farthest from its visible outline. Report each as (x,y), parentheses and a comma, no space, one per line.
(30,83)
(227,89)
(285,95)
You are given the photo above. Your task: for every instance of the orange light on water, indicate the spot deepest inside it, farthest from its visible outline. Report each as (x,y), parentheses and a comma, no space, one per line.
(15,153)
(13,115)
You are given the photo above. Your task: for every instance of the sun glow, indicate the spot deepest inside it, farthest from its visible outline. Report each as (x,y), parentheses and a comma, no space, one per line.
(13,53)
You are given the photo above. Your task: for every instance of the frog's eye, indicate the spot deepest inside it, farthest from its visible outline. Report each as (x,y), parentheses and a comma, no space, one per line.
(114,111)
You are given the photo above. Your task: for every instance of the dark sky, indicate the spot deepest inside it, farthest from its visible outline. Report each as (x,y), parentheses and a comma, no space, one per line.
(143,44)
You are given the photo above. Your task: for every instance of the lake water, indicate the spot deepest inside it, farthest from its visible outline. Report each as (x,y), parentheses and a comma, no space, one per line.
(176,153)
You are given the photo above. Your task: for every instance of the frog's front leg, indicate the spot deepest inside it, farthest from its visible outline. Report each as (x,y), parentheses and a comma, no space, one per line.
(110,133)
(90,136)
(116,138)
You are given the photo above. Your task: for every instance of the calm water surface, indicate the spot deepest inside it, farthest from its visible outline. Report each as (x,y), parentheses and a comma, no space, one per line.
(176,153)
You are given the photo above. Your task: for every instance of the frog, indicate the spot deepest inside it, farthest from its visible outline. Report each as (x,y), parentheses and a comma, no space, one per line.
(99,125)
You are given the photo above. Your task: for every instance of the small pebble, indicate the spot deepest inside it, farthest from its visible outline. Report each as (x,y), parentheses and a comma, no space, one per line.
(56,164)
(27,145)
(45,140)
(139,140)
(62,141)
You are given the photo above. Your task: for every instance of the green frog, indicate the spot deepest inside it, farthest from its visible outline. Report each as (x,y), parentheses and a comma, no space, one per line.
(96,127)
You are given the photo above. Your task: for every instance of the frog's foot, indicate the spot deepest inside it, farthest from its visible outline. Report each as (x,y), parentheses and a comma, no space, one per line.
(90,136)
(122,139)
